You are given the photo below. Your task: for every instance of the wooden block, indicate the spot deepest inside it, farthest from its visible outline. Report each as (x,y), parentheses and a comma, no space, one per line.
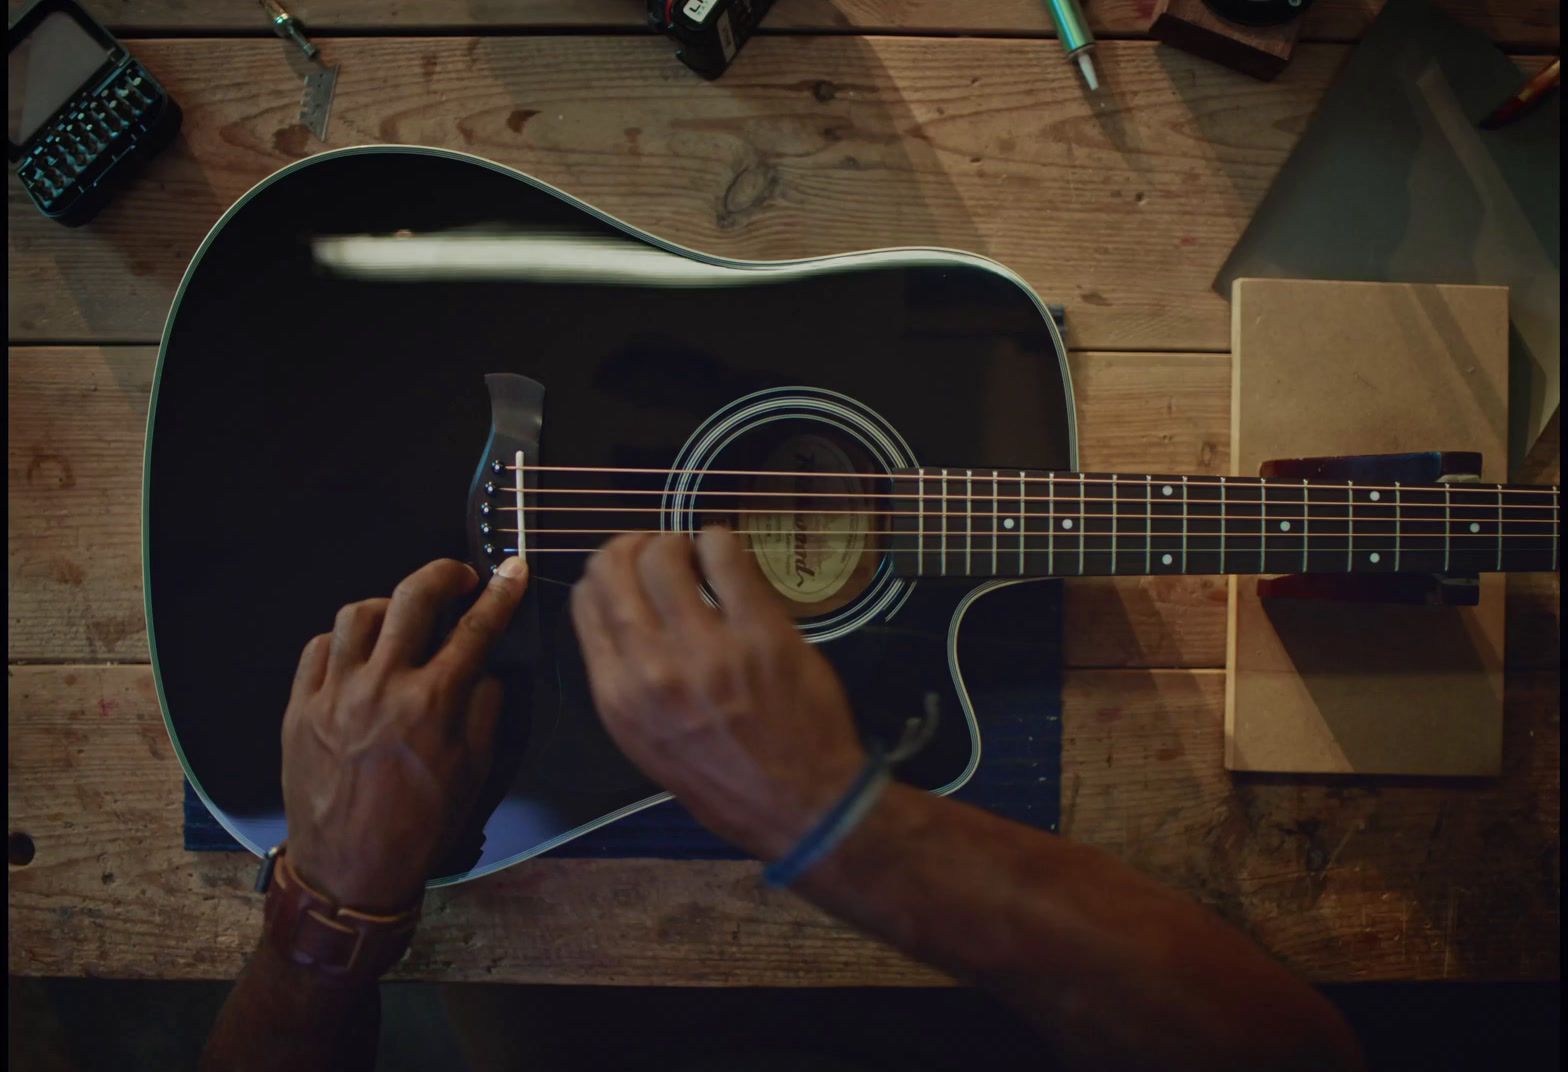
(1325,368)
(1261,51)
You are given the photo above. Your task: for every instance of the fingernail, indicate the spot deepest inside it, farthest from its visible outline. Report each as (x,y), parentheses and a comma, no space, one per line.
(513,567)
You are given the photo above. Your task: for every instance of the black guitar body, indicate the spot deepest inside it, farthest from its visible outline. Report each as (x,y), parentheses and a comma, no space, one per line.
(319,419)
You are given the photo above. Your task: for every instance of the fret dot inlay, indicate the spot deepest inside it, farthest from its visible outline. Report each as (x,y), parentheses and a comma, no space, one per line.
(1166,560)
(1067,523)
(1284,526)
(1166,490)
(1376,496)
(1007,522)
(1375,557)
(1475,526)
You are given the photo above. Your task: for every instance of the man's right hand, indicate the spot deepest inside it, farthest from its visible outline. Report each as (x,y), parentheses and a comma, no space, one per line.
(728,708)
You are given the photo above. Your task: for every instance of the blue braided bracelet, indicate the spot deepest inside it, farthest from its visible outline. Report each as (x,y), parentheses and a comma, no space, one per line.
(833,827)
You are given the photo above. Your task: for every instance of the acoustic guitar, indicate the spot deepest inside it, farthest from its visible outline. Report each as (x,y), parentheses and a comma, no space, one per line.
(382,356)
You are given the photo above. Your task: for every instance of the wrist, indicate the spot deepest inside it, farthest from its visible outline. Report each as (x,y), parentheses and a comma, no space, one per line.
(302,984)
(793,810)
(866,850)
(387,890)
(835,825)
(337,943)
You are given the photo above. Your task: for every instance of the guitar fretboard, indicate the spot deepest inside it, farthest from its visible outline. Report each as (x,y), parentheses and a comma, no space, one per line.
(1012,523)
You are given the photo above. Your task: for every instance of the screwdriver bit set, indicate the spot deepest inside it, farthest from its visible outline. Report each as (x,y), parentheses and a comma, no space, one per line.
(82,111)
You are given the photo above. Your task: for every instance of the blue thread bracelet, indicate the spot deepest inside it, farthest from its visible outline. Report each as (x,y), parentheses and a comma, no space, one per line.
(833,827)
(855,804)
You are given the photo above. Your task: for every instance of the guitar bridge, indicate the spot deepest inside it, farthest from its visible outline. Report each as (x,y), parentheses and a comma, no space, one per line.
(498,498)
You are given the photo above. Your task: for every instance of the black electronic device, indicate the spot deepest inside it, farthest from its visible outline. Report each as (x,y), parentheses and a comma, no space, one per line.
(81,112)
(1258,12)
(708,33)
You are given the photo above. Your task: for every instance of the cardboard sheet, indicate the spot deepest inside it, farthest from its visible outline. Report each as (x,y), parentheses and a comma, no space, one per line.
(1394,181)
(1365,368)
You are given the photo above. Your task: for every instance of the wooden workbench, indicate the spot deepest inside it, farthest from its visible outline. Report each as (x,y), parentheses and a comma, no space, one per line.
(850,124)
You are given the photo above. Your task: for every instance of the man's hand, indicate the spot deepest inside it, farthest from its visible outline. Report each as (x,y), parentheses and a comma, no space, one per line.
(383,750)
(729,708)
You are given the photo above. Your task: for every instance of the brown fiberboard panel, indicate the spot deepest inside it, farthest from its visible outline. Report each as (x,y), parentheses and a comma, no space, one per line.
(1331,368)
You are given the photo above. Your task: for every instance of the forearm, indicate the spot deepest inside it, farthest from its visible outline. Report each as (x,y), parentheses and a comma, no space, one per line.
(280,1016)
(1116,970)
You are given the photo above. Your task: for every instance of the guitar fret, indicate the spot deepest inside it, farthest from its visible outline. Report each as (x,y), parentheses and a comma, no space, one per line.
(1448,527)
(1306,523)
(1050,527)
(1023,526)
(1114,486)
(920,514)
(969,517)
(996,520)
(944,522)
(1263,524)
(1224,525)
(1083,518)
(1350,526)
(1399,538)
(1185,511)
(1499,528)
(1148,542)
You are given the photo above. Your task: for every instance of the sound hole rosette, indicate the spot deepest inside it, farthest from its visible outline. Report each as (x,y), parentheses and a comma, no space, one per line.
(838,418)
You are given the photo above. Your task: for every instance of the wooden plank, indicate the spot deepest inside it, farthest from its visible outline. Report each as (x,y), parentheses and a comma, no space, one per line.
(1122,210)
(1344,879)
(1370,879)
(78,418)
(1521,22)
(76,427)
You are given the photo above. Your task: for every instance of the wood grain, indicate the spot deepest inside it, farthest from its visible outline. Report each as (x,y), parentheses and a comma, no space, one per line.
(1375,879)
(1352,879)
(1123,209)
(1519,22)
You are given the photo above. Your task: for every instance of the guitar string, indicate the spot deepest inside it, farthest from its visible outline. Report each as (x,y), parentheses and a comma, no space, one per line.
(923,474)
(774,510)
(1406,541)
(1491,492)
(1042,549)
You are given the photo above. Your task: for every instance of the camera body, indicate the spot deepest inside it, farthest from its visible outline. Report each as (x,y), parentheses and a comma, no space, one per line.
(707,33)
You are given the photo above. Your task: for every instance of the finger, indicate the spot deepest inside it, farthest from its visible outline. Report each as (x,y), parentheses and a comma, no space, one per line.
(484,708)
(417,603)
(600,656)
(312,669)
(616,589)
(463,655)
(593,639)
(667,569)
(354,634)
(732,572)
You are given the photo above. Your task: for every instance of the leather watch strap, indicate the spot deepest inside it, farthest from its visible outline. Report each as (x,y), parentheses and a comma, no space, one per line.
(342,944)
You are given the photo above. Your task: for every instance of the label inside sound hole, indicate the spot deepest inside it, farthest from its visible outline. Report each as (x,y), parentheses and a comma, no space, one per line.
(810,540)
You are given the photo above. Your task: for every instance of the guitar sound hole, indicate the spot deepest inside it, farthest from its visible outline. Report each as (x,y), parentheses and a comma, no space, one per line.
(807,501)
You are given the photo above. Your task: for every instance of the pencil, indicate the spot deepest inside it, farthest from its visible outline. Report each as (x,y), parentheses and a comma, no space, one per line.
(1533,91)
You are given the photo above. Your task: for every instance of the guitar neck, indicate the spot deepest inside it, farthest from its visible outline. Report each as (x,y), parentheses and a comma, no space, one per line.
(1014,523)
